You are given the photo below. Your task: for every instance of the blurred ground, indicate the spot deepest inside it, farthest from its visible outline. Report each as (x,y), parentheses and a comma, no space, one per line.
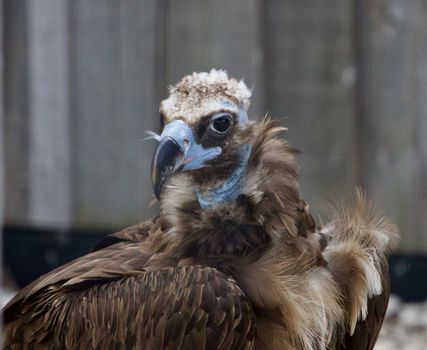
(405,327)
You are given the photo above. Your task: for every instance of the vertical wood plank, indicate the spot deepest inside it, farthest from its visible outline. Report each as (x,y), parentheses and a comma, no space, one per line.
(2,140)
(16,111)
(113,65)
(49,143)
(394,111)
(309,77)
(202,35)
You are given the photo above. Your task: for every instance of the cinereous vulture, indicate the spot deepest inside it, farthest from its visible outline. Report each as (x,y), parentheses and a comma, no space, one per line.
(233,261)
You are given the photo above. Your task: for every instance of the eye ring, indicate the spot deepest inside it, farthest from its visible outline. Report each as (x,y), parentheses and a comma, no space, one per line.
(221,124)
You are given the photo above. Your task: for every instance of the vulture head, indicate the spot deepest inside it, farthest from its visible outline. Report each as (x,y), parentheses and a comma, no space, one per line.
(205,136)
(217,174)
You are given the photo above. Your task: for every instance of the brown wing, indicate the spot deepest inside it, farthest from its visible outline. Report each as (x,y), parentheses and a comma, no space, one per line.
(367,331)
(130,243)
(169,308)
(116,297)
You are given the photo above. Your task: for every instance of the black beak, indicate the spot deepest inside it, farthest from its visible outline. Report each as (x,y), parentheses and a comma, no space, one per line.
(166,161)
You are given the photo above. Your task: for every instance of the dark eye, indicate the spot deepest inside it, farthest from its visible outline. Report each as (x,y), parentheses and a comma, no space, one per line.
(221,124)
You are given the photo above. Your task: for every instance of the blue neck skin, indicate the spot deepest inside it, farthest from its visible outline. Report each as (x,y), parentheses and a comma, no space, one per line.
(231,188)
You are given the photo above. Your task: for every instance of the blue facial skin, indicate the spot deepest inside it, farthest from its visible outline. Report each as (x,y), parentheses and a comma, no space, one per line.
(231,188)
(195,156)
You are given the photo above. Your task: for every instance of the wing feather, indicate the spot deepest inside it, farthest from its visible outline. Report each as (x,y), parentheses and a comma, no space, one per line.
(114,298)
(168,308)
(367,331)
(127,247)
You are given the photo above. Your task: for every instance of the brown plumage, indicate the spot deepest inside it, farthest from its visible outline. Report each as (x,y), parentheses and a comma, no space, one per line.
(248,271)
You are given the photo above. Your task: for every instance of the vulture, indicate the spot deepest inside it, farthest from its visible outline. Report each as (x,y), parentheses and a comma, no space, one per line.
(234,260)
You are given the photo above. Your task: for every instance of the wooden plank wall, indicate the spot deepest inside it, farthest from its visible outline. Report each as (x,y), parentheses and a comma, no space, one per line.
(391,111)
(309,72)
(16,112)
(84,79)
(113,72)
(49,154)
(2,141)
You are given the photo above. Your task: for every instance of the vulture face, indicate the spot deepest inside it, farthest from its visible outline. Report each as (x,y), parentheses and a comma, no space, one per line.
(205,135)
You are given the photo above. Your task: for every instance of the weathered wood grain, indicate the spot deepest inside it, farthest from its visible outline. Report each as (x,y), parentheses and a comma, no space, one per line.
(49,198)
(393,112)
(16,111)
(2,183)
(309,73)
(84,78)
(112,66)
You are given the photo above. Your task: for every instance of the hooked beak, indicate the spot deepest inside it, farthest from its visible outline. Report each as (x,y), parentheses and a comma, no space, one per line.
(177,151)
(165,160)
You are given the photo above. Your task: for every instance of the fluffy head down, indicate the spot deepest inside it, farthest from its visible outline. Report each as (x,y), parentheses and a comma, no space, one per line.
(198,94)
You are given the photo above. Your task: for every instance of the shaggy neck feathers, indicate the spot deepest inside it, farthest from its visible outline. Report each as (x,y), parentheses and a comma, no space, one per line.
(263,194)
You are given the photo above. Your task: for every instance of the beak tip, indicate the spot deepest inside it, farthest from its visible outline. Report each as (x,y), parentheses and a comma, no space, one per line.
(165,160)
(157,192)
(156,180)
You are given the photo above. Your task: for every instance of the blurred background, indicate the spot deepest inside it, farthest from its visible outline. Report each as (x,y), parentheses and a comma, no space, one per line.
(82,80)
